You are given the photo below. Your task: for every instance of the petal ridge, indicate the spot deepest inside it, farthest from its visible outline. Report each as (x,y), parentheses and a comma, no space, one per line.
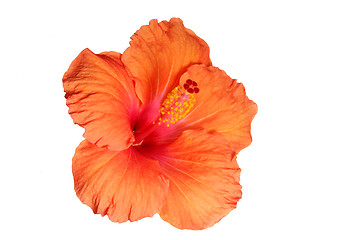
(221,106)
(203,176)
(123,185)
(158,54)
(101,99)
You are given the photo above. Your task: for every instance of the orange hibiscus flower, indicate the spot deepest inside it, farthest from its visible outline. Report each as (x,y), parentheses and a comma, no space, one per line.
(162,129)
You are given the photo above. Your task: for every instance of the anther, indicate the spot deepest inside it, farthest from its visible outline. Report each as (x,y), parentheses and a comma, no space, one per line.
(176,105)
(189,82)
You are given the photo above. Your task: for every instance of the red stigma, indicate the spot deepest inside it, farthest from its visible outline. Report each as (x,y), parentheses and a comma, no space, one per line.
(191,86)
(189,82)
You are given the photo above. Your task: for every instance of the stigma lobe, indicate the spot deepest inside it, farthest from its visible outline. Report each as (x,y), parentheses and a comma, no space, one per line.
(191,86)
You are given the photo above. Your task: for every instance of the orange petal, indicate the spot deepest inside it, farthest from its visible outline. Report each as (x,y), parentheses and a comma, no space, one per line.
(101,98)
(159,54)
(221,105)
(203,176)
(123,185)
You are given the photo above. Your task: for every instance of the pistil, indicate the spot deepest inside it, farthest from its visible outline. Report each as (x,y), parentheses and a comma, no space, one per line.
(176,106)
(178,103)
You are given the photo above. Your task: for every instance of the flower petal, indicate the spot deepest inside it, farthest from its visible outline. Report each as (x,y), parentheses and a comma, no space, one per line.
(203,176)
(159,54)
(101,98)
(221,105)
(123,185)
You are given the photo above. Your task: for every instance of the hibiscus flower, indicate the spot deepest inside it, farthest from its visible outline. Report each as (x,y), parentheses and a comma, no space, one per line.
(162,129)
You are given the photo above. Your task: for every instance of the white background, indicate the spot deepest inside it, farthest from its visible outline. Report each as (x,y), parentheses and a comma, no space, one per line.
(299,61)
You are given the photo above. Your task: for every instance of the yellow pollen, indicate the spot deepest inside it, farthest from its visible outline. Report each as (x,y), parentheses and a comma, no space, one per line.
(176,106)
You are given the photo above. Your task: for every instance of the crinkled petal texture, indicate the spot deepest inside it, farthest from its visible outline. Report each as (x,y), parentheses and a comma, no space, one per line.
(159,54)
(101,98)
(123,185)
(221,106)
(204,180)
